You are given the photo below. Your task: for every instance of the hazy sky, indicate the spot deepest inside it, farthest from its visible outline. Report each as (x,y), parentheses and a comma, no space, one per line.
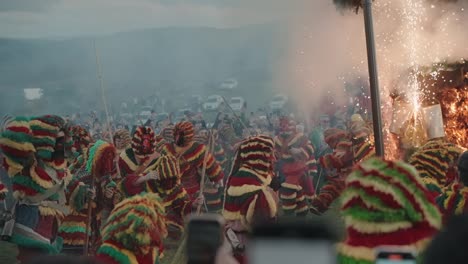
(55,18)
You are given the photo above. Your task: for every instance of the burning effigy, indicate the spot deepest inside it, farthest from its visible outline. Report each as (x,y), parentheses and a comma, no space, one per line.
(436,108)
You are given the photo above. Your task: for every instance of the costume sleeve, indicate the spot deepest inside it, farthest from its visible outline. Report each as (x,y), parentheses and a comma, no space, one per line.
(213,168)
(327,194)
(128,186)
(340,158)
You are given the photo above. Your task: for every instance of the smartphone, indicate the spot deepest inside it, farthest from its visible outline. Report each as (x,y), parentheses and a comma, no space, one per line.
(205,236)
(393,255)
(291,243)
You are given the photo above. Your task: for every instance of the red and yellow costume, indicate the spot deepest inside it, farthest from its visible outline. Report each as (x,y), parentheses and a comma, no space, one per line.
(132,160)
(385,203)
(349,148)
(134,232)
(100,165)
(168,186)
(35,152)
(191,156)
(297,169)
(248,196)
(435,162)
(213,194)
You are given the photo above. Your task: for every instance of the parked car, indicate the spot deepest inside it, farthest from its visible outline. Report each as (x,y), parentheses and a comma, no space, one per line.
(237,103)
(145,112)
(213,102)
(279,102)
(182,114)
(229,84)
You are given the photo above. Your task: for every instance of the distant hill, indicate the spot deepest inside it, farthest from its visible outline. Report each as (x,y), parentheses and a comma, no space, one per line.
(138,63)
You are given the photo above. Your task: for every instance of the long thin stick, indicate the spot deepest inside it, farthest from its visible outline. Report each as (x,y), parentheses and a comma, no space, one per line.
(236,116)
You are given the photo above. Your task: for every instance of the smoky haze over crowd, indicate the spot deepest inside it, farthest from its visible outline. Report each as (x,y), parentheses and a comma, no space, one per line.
(307,48)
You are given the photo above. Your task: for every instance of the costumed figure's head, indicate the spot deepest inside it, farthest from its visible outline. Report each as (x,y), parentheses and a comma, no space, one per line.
(16,144)
(434,161)
(143,142)
(167,167)
(122,139)
(385,203)
(136,226)
(183,133)
(101,159)
(81,139)
(287,126)
(51,138)
(333,136)
(256,153)
(358,128)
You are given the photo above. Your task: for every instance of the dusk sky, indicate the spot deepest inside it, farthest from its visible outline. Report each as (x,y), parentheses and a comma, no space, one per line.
(68,18)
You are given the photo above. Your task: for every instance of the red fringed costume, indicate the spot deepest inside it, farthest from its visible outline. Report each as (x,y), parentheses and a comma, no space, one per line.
(297,166)
(100,165)
(134,160)
(36,151)
(248,197)
(168,186)
(191,157)
(385,203)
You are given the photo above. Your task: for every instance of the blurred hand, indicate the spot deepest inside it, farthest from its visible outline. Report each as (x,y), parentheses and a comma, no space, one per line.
(199,201)
(152,175)
(109,192)
(117,198)
(91,193)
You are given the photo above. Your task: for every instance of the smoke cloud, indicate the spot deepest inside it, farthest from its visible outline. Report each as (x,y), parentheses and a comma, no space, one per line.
(327,49)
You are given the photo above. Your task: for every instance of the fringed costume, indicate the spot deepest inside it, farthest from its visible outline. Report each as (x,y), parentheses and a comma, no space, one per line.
(385,203)
(169,187)
(213,194)
(135,159)
(435,162)
(453,200)
(134,232)
(35,152)
(122,140)
(350,148)
(191,156)
(248,196)
(100,166)
(297,167)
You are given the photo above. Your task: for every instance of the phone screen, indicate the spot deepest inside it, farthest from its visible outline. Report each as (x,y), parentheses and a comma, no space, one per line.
(204,239)
(395,258)
(271,251)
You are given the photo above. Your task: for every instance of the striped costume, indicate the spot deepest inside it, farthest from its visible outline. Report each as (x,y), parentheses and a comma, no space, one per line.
(191,156)
(35,152)
(385,203)
(347,152)
(435,162)
(248,196)
(297,172)
(213,194)
(100,165)
(143,146)
(168,186)
(134,232)
(453,200)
